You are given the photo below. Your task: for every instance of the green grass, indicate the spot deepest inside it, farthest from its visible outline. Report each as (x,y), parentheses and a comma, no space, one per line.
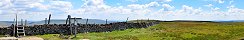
(170,31)
(2,36)
(50,37)
(140,21)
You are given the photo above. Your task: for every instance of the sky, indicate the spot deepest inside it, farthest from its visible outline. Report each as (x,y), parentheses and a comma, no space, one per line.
(119,10)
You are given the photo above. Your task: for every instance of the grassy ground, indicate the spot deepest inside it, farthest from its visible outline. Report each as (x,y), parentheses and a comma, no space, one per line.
(1,35)
(169,31)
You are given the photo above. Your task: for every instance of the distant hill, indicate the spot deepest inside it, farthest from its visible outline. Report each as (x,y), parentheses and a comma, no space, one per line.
(187,21)
(5,23)
(135,21)
(231,21)
(82,21)
(57,21)
(97,21)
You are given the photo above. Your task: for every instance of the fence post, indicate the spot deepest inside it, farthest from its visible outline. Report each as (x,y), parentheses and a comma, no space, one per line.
(13,34)
(106,21)
(45,20)
(86,25)
(16,25)
(75,26)
(49,19)
(69,25)
(21,21)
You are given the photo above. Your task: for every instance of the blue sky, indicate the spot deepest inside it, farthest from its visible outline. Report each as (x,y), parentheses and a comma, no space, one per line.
(121,9)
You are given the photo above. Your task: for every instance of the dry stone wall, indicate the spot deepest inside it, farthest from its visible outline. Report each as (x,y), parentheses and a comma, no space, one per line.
(81,28)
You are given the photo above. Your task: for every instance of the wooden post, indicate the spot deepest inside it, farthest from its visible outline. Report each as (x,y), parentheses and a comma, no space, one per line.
(87,21)
(45,20)
(69,21)
(13,34)
(16,25)
(66,23)
(49,19)
(25,26)
(106,21)
(75,26)
(86,24)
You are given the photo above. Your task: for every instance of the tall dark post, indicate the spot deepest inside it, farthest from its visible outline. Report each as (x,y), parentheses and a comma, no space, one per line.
(49,19)
(86,24)
(66,23)
(106,21)
(86,21)
(75,26)
(16,25)
(45,20)
(69,23)
(14,28)
(24,27)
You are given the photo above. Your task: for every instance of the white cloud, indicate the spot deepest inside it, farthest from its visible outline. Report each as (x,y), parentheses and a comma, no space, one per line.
(60,5)
(231,1)
(143,11)
(233,9)
(93,2)
(97,9)
(218,1)
(190,13)
(24,2)
(164,0)
(138,6)
(215,9)
(97,2)
(39,6)
(5,4)
(209,5)
(32,9)
(168,0)
(134,11)
(152,4)
(221,1)
(167,7)
(0,11)
(132,0)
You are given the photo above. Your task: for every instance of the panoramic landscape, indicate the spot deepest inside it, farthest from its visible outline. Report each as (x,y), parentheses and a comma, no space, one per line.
(121,20)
